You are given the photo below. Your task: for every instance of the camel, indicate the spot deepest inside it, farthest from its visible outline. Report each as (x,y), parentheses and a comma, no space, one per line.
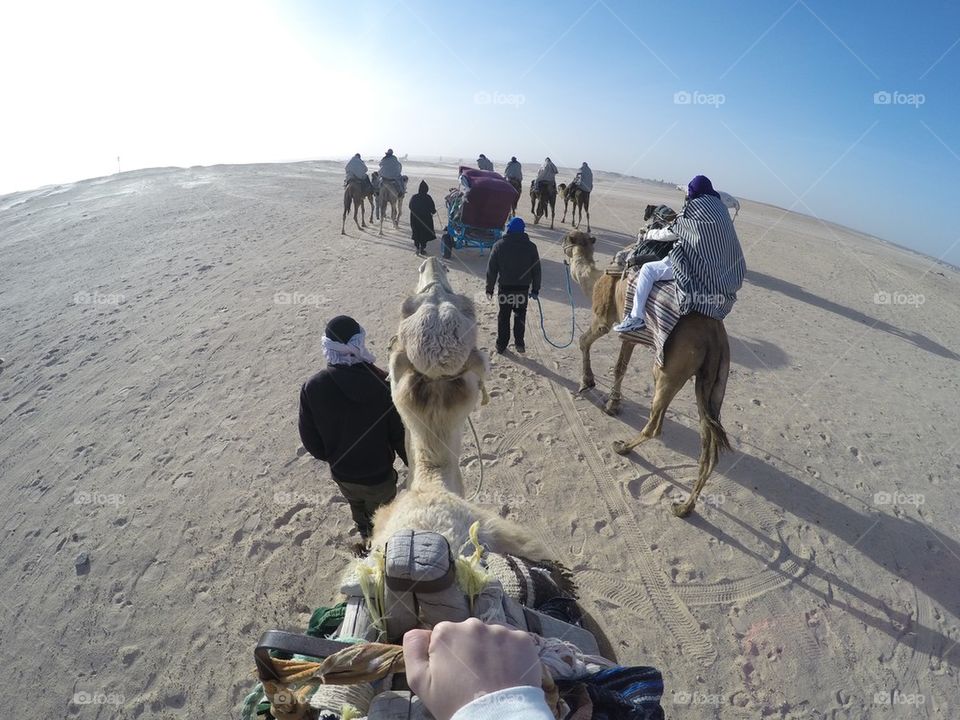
(731,202)
(698,347)
(353,193)
(546,194)
(580,199)
(437,378)
(392,192)
(518,186)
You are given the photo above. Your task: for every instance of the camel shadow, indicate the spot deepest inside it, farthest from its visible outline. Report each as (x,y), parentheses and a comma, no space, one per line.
(907,547)
(768,282)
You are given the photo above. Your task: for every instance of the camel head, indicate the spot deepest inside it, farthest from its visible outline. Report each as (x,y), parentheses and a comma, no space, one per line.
(648,213)
(433,272)
(578,244)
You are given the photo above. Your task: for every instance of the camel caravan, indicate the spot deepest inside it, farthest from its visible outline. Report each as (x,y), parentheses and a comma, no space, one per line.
(429,555)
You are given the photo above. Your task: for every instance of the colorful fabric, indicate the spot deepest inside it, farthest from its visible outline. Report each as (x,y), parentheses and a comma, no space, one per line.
(325,620)
(660,316)
(617,693)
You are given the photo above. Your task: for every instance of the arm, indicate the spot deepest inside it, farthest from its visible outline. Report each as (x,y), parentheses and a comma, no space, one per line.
(536,271)
(308,430)
(396,434)
(493,269)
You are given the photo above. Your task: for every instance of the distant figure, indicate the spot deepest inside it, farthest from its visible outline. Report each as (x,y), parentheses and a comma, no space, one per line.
(706,259)
(355,169)
(514,265)
(422,210)
(513,173)
(391,169)
(584,178)
(348,420)
(484,163)
(547,174)
(513,170)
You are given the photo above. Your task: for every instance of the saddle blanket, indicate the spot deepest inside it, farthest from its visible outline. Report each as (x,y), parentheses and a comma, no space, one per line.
(660,316)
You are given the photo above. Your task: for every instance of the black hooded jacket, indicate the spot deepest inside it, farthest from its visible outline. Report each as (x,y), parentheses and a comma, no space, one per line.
(515,262)
(347,419)
(422,210)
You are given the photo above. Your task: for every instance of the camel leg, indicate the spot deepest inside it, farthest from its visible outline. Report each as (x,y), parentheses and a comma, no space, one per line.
(619,370)
(343,224)
(357,208)
(381,215)
(667,386)
(477,363)
(553,213)
(587,340)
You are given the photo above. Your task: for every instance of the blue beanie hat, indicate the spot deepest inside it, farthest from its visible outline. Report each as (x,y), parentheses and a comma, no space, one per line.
(516,225)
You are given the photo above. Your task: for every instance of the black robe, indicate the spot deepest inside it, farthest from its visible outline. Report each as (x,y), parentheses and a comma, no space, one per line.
(422,211)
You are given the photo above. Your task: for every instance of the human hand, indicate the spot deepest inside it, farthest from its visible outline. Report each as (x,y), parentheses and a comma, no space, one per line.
(534,296)
(456,663)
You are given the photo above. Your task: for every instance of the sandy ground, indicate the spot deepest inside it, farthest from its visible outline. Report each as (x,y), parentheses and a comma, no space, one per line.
(156,327)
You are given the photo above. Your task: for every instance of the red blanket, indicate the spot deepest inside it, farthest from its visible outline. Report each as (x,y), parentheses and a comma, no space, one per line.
(489,198)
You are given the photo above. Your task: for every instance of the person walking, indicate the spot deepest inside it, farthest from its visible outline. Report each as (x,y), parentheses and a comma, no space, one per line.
(347,419)
(422,210)
(514,265)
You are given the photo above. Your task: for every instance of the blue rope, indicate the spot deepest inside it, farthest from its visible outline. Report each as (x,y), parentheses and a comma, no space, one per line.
(573,314)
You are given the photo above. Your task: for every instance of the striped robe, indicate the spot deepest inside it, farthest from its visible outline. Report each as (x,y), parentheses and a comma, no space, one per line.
(707,259)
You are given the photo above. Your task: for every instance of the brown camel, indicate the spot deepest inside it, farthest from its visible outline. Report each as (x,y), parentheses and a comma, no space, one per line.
(391,192)
(581,201)
(518,186)
(543,197)
(353,193)
(697,347)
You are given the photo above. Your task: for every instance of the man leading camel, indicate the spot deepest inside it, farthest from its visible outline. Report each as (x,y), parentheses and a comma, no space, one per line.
(348,419)
(706,259)
(514,265)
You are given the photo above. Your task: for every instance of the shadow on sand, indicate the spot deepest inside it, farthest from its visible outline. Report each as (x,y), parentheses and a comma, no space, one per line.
(796,292)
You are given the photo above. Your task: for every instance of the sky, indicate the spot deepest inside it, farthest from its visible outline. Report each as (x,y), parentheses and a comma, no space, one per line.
(844,111)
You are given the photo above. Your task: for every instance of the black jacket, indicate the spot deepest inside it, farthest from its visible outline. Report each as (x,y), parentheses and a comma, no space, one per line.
(422,210)
(515,261)
(347,419)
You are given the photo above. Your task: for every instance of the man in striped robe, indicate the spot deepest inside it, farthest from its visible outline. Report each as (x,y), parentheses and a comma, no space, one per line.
(706,260)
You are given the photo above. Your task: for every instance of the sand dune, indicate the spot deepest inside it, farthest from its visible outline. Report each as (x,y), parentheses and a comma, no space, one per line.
(158,512)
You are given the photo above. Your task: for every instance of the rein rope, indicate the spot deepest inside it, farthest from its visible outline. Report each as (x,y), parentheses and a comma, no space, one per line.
(573,313)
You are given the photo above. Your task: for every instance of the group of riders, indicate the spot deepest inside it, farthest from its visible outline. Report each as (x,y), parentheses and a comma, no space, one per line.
(391,171)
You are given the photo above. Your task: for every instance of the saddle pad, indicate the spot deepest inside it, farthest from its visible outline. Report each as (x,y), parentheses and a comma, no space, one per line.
(660,316)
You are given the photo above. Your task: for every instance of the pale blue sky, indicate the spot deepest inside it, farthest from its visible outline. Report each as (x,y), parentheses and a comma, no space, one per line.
(781,93)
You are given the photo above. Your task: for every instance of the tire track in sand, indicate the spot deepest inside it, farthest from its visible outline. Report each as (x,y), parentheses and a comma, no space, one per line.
(669,609)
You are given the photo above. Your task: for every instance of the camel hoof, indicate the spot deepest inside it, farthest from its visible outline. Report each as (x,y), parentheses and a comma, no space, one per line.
(586,384)
(612,408)
(682,510)
(620,447)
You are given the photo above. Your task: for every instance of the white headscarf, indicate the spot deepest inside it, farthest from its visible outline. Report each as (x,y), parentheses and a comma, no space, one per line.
(355,351)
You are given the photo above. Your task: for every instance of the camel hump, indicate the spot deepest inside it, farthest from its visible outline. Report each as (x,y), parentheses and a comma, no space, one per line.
(438,338)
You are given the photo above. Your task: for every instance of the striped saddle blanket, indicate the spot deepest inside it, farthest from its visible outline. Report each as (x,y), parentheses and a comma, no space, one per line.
(660,315)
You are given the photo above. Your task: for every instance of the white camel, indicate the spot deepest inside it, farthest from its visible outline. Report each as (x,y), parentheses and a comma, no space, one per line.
(730,201)
(437,379)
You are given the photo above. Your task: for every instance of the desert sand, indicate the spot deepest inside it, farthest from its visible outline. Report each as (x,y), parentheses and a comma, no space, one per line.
(158,511)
